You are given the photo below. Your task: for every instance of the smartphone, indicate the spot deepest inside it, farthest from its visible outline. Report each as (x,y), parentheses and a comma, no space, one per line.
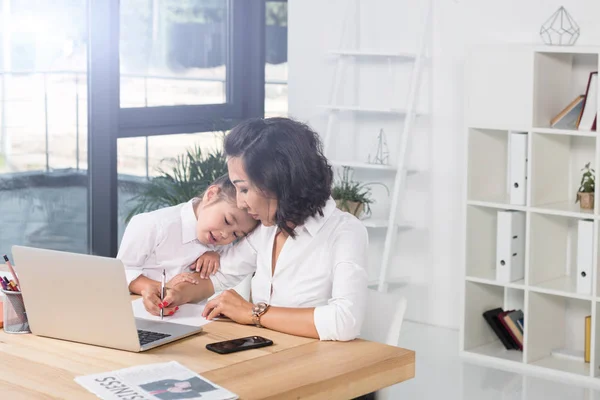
(246,343)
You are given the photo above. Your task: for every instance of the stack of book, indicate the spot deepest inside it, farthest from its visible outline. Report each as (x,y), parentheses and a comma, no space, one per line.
(580,114)
(508,326)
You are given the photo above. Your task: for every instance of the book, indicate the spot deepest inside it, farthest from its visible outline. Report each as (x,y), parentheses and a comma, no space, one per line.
(511,322)
(502,318)
(588,338)
(568,117)
(590,104)
(491,317)
(165,381)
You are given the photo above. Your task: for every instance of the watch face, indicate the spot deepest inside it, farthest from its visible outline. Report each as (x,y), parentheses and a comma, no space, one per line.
(260,308)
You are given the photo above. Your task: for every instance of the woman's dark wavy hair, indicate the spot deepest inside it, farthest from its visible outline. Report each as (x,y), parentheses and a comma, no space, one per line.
(284,158)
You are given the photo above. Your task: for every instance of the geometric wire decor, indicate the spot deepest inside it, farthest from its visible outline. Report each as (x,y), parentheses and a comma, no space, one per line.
(560,29)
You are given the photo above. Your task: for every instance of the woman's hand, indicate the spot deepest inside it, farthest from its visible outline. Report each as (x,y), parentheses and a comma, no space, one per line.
(230,304)
(153,304)
(207,264)
(182,277)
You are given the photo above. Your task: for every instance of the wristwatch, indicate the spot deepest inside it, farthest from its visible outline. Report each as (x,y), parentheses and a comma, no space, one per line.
(257,311)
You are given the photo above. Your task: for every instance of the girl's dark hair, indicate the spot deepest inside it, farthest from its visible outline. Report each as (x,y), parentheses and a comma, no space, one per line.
(227,192)
(284,158)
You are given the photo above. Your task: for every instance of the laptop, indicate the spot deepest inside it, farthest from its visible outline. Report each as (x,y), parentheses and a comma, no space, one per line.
(84,298)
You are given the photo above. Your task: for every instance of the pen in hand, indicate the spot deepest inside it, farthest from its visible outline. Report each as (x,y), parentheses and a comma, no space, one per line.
(162,293)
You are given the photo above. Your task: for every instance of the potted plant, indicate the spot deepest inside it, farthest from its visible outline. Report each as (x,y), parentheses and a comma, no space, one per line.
(352,196)
(190,174)
(585,194)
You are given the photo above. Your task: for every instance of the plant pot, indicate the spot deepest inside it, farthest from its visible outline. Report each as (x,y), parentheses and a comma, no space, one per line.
(586,200)
(352,207)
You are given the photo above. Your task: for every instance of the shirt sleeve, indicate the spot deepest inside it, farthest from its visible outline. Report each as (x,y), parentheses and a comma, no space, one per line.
(341,319)
(138,243)
(237,262)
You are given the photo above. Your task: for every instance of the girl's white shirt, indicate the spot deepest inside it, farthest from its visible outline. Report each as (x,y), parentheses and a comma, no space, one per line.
(162,239)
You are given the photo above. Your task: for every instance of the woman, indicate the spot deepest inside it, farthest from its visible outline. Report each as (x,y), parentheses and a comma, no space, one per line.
(309,257)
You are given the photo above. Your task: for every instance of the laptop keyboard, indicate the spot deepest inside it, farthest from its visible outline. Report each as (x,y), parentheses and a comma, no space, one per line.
(149,337)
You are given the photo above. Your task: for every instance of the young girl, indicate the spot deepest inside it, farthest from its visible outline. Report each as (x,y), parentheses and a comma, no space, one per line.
(173,238)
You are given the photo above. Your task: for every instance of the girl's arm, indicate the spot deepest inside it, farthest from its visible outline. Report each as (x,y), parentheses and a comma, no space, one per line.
(138,242)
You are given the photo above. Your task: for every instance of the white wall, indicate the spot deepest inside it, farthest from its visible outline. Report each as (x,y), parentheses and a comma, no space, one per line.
(432,254)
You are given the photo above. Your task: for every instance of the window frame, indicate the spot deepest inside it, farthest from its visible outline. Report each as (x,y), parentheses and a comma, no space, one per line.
(244,84)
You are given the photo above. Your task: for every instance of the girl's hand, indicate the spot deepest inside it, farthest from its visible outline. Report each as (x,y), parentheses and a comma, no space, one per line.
(182,277)
(230,304)
(207,264)
(153,303)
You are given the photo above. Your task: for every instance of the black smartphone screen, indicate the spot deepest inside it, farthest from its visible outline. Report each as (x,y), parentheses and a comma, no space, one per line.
(246,343)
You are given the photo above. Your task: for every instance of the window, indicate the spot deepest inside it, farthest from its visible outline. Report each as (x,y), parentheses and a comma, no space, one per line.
(81,74)
(188,66)
(173,52)
(43,125)
(276,65)
(184,67)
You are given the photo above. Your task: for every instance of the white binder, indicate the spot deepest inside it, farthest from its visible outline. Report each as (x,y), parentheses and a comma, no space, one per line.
(585,252)
(518,168)
(510,246)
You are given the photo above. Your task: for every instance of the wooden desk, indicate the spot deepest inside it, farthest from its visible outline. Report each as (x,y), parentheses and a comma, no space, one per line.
(294,367)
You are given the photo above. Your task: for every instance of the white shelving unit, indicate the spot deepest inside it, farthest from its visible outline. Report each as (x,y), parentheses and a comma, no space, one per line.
(520,88)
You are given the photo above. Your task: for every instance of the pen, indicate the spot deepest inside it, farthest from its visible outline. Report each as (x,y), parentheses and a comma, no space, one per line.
(12,271)
(162,292)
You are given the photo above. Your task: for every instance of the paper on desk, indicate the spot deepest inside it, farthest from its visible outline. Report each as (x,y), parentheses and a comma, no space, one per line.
(166,381)
(188,314)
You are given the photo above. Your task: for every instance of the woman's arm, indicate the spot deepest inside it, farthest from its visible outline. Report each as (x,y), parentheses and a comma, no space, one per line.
(294,321)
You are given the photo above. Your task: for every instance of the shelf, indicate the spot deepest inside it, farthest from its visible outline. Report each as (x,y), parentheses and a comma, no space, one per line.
(563,286)
(482,226)
(556,163)
(497,350)
(370,166)
(552,254)
(564,365)
(556,323)
(560,76)
(383,223)
(488,164)
(499,203)
(491,280)
(563,208)
(361,165)
(372,53)
(392,111)
(567,132)
(567,49)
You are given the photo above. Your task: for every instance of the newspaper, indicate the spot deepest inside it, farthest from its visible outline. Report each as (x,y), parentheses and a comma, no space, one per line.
(165,381)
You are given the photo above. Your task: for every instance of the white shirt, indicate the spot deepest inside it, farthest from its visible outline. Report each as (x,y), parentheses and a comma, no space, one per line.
(161,239)
(324,266)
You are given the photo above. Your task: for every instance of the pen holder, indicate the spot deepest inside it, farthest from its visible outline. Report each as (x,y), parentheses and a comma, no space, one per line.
(15,317)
